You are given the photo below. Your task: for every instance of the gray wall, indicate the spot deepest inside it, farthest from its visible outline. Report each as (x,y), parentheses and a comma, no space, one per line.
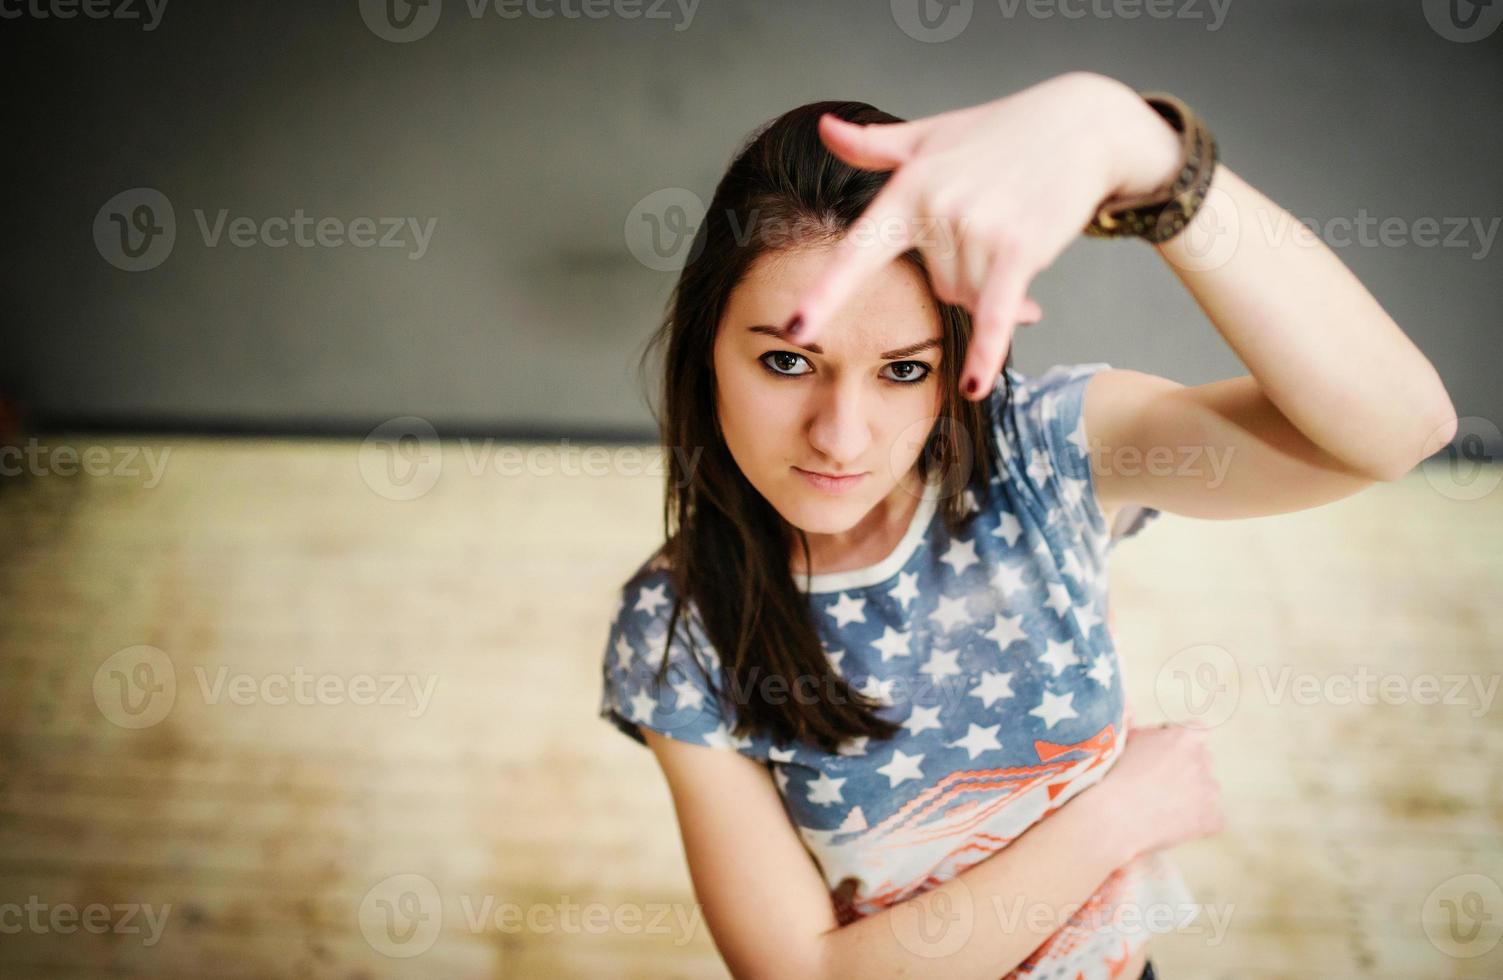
(527,142)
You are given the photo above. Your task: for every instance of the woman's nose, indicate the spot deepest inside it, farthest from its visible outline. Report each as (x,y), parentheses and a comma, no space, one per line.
(840,429)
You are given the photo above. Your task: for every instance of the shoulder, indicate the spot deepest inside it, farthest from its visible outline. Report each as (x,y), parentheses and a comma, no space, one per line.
(658,668)
(1040,418)
(1050,422)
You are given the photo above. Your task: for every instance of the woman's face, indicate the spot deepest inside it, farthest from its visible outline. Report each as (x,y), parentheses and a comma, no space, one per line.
(838,407)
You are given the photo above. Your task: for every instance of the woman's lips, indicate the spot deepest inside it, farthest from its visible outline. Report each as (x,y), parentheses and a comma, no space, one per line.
(830,484)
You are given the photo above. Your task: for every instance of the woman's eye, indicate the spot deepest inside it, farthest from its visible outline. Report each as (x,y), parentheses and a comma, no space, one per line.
(781,363)
(774,360)
(910,372)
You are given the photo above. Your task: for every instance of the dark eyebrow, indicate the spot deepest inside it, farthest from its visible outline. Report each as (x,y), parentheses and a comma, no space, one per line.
(891,355)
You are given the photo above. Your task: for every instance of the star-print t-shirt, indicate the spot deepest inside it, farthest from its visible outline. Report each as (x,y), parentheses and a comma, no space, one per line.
(994,652)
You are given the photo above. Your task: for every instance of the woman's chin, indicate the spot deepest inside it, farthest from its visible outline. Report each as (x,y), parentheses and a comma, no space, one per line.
(817,513)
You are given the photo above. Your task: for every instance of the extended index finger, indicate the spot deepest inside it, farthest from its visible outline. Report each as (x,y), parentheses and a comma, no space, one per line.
(881,233)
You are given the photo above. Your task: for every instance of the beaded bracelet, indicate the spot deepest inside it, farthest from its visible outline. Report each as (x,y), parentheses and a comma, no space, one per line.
(1163,213)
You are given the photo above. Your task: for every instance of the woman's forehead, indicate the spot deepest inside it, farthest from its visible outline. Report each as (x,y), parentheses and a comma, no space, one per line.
(894,306)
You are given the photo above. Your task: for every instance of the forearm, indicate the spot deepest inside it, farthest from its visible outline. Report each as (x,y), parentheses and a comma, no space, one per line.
(989,918)
(1318,343)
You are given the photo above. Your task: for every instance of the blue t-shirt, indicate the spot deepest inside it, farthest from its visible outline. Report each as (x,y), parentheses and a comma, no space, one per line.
(992,650)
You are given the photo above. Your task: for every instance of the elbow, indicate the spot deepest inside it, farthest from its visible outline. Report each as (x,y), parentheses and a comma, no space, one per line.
(1435,434)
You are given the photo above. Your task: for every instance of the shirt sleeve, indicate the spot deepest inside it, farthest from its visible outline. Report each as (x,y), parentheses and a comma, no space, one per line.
(1043,444)
(679,703)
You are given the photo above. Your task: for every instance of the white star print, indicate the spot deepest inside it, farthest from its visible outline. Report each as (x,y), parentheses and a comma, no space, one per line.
(1087,618)
(1078,437)
(656,650)
(855,745)
(847,610)
(902,766)
(1054,707)
(878,690)
(1060,656)
(922,718)
(1008,578)
(648,600)
(854,821)
(624,653)
(1071,490)
(1059,599)
(950,613)
(1008,529)
(1006,630)
(941,663)
(641,706)
(978,740)
(688,696)
(780,755)
(720,738)
(892,643)
(833,656)
(1101,670)
(1071,566)
(992,687)
(1039,467)
(961,555)
(907,588)
(825,790)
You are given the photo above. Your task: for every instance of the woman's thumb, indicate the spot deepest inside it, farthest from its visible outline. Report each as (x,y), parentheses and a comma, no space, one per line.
(875,146)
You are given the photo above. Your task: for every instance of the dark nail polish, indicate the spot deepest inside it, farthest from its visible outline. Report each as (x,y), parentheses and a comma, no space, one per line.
(795,325)
(970,386)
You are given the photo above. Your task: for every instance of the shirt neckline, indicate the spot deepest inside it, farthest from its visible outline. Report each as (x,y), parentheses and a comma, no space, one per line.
(885,569)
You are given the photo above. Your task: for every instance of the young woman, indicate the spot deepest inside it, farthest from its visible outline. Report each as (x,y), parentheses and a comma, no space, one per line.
(873,657)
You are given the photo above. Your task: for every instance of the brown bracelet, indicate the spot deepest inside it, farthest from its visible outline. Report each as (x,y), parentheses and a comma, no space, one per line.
(1163,213)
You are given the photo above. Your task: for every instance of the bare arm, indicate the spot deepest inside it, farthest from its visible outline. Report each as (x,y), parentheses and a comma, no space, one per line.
(769,910)
(987,920)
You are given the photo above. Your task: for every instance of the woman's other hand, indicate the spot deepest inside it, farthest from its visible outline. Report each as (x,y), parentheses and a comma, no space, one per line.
(1162,791)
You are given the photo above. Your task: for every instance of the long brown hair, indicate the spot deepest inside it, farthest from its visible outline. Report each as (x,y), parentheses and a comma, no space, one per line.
(726,548)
